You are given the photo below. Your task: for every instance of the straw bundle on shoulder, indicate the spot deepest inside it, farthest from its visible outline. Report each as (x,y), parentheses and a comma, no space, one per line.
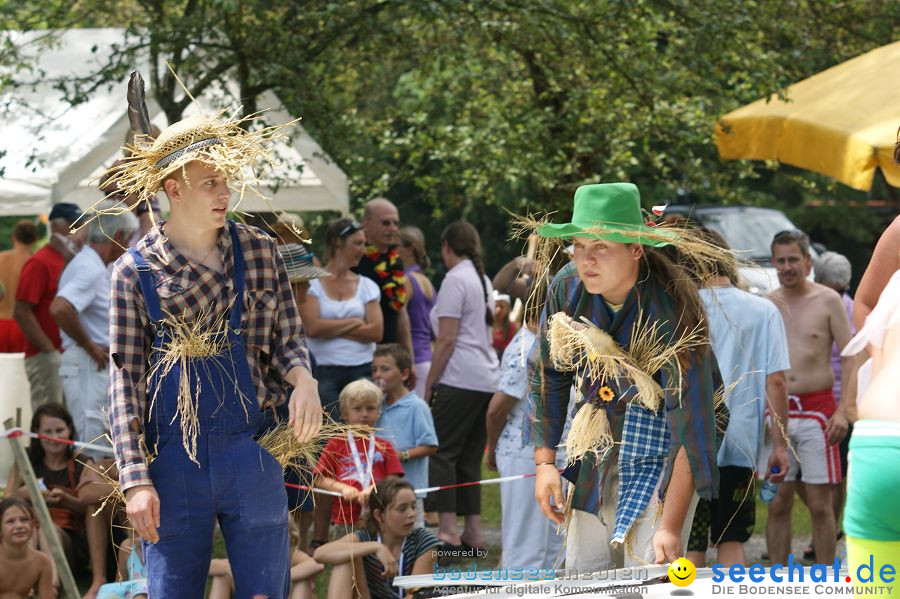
(589,350)
(654,349)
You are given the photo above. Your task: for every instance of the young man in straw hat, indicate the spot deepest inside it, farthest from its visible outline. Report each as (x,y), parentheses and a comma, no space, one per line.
(206,338)
(645,429)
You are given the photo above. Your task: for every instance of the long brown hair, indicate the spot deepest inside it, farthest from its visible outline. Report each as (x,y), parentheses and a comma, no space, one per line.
(679,284)
(51,410)
(381,499)
(463,240)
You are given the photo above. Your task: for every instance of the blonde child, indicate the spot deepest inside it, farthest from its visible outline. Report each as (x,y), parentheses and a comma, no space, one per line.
(351,465)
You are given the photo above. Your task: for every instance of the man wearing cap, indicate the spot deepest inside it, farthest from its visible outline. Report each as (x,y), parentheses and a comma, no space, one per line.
(206,340)
(36,290)
(644,437)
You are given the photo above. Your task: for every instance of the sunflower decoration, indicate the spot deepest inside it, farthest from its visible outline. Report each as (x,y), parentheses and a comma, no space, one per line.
(605,393)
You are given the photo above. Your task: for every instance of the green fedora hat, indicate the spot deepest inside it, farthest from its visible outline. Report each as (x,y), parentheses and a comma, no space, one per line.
(608,211)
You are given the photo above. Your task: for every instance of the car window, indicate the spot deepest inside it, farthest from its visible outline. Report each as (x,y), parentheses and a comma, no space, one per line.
(748,232)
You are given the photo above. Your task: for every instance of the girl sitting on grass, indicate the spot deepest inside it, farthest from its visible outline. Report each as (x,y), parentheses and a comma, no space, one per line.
(366,561)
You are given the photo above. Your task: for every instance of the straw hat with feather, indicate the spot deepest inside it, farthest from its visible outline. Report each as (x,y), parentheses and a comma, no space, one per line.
(221,142)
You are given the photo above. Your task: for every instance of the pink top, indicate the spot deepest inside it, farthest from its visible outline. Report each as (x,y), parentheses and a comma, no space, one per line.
(473,365)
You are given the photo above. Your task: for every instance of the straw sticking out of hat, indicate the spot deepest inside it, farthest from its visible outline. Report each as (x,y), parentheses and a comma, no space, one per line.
(612,212)
(225,145)
(228,144)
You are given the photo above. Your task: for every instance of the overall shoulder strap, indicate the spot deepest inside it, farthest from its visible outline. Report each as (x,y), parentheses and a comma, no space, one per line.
(234,320)
(148,286)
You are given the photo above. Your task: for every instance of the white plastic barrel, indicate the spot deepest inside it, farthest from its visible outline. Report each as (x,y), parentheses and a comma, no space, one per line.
(15,392)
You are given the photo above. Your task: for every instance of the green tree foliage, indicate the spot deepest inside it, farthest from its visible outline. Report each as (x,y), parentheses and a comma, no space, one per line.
(470,108)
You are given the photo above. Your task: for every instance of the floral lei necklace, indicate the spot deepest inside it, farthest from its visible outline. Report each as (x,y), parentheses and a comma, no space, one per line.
(390,275)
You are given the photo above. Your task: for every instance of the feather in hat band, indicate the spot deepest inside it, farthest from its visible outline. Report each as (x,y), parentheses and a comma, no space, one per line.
(221,142)
(199,145)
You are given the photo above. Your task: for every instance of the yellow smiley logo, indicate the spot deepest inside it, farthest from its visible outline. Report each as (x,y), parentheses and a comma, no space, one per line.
(682,572)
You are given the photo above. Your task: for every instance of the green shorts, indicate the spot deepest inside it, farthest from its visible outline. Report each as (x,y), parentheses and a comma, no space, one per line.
(873,477)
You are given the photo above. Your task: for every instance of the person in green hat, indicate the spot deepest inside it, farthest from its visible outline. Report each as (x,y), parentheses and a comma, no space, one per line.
(624,324)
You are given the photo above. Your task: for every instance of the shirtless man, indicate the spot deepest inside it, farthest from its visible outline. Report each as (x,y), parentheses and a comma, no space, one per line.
(23,569)
(814,318)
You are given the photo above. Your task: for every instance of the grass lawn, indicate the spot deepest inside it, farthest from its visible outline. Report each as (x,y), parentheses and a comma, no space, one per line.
(490,516)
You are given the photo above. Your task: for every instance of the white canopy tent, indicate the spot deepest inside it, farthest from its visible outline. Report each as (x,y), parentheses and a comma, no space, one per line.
(55,151)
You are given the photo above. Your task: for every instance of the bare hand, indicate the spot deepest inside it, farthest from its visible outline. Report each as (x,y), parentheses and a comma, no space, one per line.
(778,458)
(64,498)
(349,493)
(305,409)
(363,497)
(142,507)
(837,427)
(429,391)
(666,546)
(53,497)
(100,356)
(547,485)
(387,560)
(492,459)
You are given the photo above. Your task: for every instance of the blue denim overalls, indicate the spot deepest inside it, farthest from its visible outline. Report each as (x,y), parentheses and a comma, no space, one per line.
(236,481)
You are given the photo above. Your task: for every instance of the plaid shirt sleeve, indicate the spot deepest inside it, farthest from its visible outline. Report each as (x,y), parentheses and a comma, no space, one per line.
(129,333)
(292,352)
(692,422)
(550,387)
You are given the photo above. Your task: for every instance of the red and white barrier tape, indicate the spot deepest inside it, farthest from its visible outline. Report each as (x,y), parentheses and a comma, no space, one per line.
(426,490)
(18,432)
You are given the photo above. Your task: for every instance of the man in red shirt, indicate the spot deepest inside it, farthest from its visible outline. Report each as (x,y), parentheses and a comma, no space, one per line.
(36,290)
(24,236)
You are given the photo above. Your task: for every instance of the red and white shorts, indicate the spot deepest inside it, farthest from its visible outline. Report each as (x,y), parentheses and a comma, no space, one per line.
(820,461)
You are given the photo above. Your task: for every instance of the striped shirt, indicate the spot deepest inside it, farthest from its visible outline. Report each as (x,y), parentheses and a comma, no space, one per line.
(271,327)
(419,542)
(653,439)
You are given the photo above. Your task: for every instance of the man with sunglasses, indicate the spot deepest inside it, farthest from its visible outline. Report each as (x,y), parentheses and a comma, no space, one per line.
(381,222)
(814,319)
